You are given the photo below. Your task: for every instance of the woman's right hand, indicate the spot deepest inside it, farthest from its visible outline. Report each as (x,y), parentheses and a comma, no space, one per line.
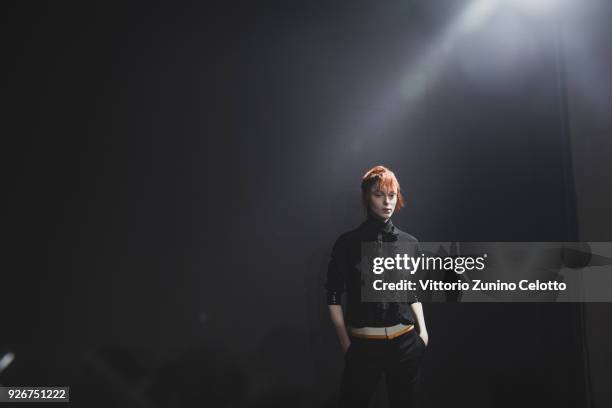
(337,317)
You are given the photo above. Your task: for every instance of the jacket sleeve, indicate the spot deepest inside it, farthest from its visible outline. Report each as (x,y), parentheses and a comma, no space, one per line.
(336,274)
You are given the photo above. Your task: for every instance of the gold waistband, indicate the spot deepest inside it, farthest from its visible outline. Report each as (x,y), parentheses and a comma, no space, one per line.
(386,333)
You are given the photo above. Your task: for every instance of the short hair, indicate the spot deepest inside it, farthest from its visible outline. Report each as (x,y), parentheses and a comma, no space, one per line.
(382,178)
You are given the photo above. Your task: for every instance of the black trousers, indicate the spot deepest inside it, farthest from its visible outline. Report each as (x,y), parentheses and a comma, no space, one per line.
(365,362)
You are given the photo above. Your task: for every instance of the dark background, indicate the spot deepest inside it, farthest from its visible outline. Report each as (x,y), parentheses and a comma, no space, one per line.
(177,174)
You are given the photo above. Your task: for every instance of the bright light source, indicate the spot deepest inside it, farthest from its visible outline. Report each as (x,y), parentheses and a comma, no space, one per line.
(535,7)
(497,56)
(477,13)
(426,70)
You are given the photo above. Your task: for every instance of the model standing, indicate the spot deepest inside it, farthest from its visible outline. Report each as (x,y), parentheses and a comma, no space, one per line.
(377,338)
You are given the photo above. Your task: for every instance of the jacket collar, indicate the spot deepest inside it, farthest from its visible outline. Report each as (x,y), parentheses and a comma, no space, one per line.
(373,226)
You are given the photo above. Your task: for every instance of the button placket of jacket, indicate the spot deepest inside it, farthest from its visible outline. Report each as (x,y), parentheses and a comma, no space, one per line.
(379,239)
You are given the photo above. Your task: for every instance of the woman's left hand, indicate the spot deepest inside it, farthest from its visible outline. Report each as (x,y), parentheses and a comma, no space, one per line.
(424,337)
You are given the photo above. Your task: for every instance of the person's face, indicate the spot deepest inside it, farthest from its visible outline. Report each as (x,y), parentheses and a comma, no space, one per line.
(382,203)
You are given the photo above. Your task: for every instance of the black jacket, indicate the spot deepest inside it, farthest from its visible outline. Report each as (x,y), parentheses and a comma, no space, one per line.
(343,275)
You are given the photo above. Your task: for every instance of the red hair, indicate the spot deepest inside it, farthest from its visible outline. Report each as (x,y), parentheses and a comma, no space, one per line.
(384,179)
